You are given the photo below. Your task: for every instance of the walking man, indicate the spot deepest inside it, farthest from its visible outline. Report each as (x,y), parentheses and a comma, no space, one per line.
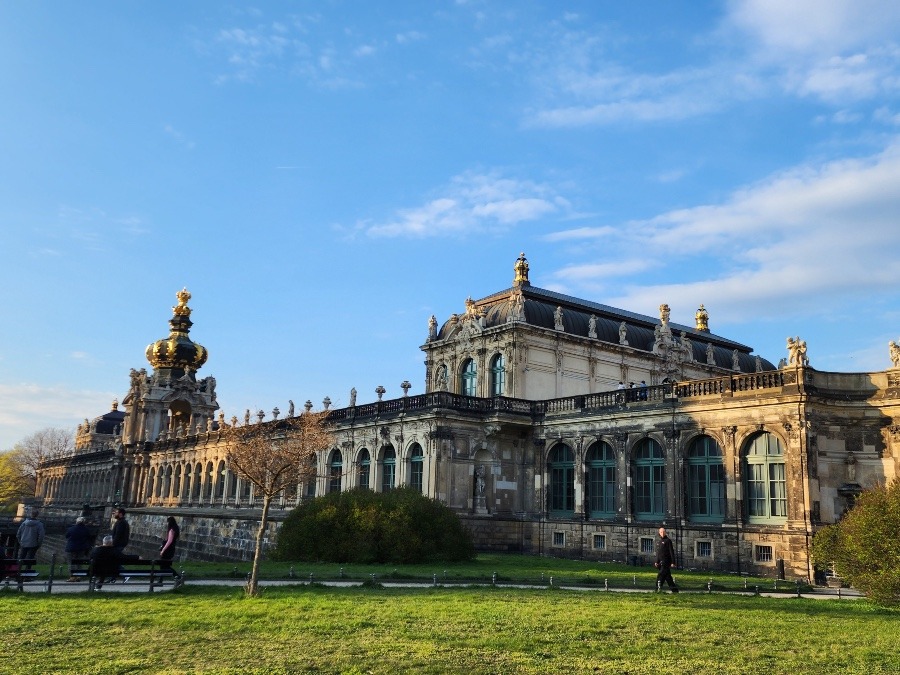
(665,561)
(30,537)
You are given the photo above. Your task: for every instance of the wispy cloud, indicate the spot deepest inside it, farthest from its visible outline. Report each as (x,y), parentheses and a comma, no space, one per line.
(473,202)
(795,241)
(27,407)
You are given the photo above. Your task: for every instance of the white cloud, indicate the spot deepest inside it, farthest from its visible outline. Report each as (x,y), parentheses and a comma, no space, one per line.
(26,408)
(798,240)
(474,202)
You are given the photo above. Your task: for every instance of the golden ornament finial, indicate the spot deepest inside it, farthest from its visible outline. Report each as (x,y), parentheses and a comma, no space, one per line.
(702,319)
(521,269)
(181,309)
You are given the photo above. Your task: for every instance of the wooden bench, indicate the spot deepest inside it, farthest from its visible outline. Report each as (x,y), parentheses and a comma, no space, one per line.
(19,571)
(150,572)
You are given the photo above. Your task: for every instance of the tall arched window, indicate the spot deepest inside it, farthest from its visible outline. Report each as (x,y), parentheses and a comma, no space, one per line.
(198,481)
(649,480)
(187,482)
(498,375)
(221,473)
(601,481)
(150,482)
(765,478)
(416,468)
(167,482)
(335,469)
(176,485)
(706,480)
(365,468)
(469,378)
(388,469)
(210,477)
(561,468)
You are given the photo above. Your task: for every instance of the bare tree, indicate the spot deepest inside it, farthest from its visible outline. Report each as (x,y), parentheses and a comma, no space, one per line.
(42,446)
(274,457)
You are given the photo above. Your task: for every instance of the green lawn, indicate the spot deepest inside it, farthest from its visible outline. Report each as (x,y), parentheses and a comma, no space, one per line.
(441,630)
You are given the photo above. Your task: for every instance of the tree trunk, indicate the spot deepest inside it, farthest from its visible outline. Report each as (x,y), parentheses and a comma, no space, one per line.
(252,585)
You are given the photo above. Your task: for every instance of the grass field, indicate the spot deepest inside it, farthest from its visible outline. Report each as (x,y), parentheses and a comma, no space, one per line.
(440,630)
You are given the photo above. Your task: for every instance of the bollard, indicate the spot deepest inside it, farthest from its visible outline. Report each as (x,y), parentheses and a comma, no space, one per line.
(551,582)
(291,573)
(757,589)
(234,571)
(745,584)
(52,572)
(445,575)
(606,584)
(798,588)
(542,577)
(494,578)
(658,586)
(634,580)
(342,573)
(434,579)
(839,592)
(776,584)
(709,586)
(373,577)
(310,577)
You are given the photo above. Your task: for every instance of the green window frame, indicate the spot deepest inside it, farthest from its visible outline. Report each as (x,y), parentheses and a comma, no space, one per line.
(388,469)
(365,468)
(601,480)
(335,469)
(416,468)
(765,479)
(469,378)
(498,375)
(649,469)
(561,470)
(706,480)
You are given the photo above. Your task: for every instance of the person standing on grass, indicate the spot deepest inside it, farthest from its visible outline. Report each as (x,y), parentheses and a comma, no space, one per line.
(665,561)
(121,530)
(79,541)
(30,536)
(167,552)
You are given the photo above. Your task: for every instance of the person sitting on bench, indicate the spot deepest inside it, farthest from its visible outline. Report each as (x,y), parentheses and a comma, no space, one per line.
(106,561)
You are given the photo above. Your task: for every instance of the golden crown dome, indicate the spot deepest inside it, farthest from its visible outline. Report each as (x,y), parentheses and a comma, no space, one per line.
(178,352)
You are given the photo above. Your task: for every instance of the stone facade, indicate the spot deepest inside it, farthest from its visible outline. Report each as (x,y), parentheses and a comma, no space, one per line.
(530,429)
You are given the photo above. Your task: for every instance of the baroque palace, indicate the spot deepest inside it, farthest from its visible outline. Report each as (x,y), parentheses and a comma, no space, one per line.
(551,424)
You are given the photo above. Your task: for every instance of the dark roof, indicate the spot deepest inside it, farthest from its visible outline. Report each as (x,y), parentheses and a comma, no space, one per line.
(106,424)
(540,309)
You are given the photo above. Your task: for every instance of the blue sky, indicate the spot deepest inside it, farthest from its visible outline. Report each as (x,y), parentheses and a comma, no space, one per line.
(324,176)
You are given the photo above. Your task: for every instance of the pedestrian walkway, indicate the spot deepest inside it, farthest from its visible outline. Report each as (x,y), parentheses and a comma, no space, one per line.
(61,586)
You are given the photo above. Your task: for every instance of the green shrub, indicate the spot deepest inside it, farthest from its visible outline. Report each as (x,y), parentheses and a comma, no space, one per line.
(863,546)
(360,526)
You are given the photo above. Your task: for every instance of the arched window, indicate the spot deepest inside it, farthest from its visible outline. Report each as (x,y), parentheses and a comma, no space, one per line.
(416,468)
(335,469)
(469,378)
(167,484)
(309,478)
(150,483)
(649,480)
(210,477)
(187,482)
(388,469)
(765,478)
(601,481)
(221,474)
(198,481)
(561,467)
(498,375)
(706,480)
(176,485)
(365,468)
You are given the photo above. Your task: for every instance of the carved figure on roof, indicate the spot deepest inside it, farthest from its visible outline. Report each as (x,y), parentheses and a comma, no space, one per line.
(137,379)
(470,307)
(209,383)
(516,311)
(710,354)
(352,396)
(687,347)
(664,314)
(441,380)
(895,354)
(247,416)
(797,352)
(759,364)
(558,319)
(290,408)
(592,327)
(735,360)
(623,334)
(432,327)
(701,319)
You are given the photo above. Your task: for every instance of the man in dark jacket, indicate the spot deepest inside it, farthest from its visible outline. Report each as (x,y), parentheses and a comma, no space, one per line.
(121,530)
(79,541)
(665,560)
